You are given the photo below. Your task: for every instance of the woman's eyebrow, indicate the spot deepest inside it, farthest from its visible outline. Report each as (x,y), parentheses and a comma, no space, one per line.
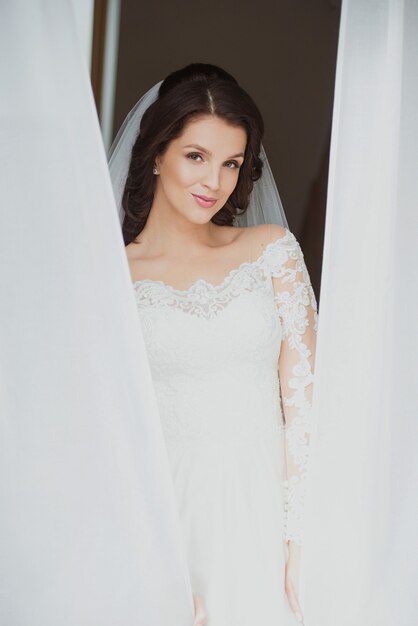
(194,145)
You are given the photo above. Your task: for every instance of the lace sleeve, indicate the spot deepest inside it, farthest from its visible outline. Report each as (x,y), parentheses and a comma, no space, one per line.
(296,303)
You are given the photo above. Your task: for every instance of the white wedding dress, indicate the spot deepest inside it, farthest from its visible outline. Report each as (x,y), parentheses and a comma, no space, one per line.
(231,364)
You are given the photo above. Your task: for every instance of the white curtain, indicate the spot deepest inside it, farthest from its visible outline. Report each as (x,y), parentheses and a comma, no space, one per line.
(89,533)
(361,558)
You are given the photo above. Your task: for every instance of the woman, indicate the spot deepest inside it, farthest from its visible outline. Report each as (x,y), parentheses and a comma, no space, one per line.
(229,318)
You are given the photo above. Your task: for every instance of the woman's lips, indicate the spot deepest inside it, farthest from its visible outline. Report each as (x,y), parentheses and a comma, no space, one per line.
(203,201)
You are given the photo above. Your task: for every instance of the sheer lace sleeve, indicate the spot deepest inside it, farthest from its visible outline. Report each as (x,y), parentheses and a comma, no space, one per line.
(296,303)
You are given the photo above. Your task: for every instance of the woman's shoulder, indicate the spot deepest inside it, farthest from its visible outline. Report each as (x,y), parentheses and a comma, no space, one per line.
(266,233)
(261,235)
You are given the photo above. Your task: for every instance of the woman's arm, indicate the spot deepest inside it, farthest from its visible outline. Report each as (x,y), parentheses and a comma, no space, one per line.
(296,304)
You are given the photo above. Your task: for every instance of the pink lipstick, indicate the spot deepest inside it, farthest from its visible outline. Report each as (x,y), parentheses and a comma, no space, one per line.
(204,201)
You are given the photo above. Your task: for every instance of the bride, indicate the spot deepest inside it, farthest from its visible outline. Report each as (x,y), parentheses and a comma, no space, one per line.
(229,319)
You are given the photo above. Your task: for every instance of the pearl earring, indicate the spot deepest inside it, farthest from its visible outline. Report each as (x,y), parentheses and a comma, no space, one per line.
(155,171)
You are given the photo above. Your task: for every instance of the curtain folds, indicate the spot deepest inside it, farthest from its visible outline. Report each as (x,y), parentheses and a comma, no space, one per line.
(361,561)
(89,531)
(88,526)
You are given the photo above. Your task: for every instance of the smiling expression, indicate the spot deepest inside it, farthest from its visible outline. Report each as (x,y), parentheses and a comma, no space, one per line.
(204,161)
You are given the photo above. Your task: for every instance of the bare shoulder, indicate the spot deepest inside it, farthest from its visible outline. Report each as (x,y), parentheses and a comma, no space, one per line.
(261,235)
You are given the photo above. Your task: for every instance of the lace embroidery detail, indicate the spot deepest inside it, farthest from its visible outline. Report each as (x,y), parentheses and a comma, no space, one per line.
(203,299)
(296,303)
(285,330)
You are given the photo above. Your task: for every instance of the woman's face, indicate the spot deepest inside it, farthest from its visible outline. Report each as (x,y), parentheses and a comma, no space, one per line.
(203,161)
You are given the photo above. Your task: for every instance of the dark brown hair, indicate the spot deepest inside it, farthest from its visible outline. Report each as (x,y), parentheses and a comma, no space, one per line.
(186,94)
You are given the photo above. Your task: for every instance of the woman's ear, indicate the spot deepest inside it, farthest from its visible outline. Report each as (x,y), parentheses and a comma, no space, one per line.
(156,166)
(157,162)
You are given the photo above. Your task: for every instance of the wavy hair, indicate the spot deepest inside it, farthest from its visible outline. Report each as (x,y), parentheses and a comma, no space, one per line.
(197,89)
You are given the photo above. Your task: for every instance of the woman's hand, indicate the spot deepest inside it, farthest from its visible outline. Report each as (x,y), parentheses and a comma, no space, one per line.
(199,611)
(292,580)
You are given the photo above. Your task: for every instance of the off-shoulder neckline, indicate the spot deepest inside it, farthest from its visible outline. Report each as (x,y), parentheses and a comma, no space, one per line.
(202,282)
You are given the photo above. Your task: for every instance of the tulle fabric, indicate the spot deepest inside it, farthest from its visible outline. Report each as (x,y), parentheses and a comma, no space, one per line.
(361,553)
(89,529)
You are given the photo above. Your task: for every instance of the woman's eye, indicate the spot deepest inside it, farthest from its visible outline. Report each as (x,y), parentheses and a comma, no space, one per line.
(192,156)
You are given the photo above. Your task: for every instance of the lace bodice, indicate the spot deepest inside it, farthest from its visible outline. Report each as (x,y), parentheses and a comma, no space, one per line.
(234,362)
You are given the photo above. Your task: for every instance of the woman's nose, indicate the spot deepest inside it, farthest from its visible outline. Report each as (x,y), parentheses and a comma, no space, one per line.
(212,178)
